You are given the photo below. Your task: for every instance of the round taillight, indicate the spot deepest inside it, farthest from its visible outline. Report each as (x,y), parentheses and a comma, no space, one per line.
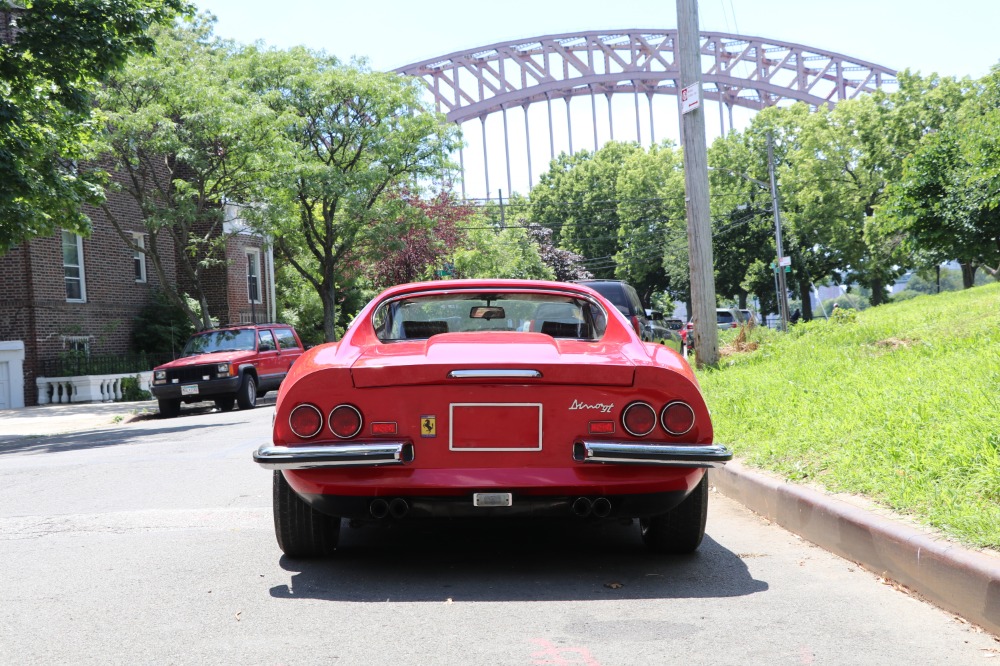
(345,421)
(639,419)
(305,421)
(677,418)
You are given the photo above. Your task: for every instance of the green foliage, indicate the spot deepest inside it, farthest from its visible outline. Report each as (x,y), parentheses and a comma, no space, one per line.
(131,391)
(189,141)
(500,253)
(62,51)
(351,139)
(161,327)
(897,403)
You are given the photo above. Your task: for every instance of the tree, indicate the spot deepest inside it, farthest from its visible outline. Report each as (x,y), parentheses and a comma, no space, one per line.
(353,138)
(947,201)
(500,253)
(418,249)
(59,53)
(578,199)
(186,140)
(652,223)
(565,265)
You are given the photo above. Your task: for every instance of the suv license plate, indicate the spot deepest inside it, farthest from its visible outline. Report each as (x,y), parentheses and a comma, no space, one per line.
(492,499)
(189,389)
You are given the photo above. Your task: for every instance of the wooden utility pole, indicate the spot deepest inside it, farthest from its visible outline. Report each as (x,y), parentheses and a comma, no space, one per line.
(688,55)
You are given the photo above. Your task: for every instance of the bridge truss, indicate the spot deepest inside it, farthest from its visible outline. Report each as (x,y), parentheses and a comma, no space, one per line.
(737,72)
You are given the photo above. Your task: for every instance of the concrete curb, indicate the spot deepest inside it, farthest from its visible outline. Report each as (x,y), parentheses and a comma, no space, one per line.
(957,579)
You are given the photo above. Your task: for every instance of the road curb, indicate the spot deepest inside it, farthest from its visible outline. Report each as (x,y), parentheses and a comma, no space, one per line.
(959,580)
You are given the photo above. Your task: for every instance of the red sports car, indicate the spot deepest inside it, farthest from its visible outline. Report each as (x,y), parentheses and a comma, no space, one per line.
(490,398)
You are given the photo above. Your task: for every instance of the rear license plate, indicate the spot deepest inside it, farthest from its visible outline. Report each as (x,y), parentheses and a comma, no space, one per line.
(492,499)
(189,389)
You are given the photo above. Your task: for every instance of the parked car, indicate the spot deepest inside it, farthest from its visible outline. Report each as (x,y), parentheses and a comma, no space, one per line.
(729,317)
(230,365)
(657,331)
(624,297)
(489,399)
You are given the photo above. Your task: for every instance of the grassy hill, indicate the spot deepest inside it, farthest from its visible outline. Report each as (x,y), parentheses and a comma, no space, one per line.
(899,403)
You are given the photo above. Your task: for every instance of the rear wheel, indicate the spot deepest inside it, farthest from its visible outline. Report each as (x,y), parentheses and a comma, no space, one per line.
(225,404)
(169,407)
(680,530)
(302,531)
(246,397)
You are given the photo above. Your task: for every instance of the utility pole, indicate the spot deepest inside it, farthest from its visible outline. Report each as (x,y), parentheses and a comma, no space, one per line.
(776,205)
(688,56)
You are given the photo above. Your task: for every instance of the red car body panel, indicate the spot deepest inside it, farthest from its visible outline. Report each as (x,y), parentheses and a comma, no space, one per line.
(513,434)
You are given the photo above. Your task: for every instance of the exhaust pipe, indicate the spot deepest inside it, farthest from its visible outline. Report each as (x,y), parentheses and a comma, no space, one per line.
(602,507)
(398,507)
(581,506)
(379,508)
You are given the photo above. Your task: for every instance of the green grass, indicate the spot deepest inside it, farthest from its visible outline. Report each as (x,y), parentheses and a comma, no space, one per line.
(899,403)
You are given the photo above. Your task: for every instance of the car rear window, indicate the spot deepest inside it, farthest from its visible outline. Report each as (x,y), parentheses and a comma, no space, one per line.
(725,317)
(420,316)
(613,292)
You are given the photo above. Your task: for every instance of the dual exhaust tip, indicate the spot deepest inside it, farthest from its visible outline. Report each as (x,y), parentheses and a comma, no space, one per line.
(382,508)
(398,507)
(599,508)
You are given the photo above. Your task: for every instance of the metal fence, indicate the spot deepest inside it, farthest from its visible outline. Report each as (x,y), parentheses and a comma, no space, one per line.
(75,365)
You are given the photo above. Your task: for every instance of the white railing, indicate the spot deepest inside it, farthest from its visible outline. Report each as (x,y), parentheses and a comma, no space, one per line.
(87,388)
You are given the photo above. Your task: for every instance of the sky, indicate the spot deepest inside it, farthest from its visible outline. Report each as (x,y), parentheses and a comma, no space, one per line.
(956,38)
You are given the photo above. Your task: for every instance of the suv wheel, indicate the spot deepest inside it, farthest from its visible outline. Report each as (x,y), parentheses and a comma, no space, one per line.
(246,397)
(169,408)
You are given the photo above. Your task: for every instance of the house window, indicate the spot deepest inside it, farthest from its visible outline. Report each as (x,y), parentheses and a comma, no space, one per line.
(72,249)
(139,256)
(253,275)
(77,344)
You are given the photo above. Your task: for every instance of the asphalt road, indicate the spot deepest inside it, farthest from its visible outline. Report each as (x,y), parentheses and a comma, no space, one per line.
(152,542)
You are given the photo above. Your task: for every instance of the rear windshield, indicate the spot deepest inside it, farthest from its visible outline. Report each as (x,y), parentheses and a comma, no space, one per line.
(420,316)
(725,317)
(613,292)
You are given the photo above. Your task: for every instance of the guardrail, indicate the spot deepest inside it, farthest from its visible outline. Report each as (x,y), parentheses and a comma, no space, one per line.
(87,388)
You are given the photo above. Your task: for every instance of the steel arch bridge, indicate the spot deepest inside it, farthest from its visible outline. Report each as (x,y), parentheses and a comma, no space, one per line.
(737,71)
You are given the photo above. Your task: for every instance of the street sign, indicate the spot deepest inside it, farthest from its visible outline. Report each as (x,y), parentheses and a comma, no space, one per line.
(690,98)
(785,261)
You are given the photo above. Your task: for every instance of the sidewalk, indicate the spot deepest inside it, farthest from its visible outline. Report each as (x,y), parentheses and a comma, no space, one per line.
(957,579)
(75,417)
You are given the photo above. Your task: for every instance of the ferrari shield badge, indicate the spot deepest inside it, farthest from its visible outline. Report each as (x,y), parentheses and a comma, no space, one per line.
(428,426)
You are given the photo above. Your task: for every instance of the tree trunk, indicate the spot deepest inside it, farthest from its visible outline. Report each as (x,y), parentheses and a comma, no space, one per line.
(968,275)
(878,291)
(329,297)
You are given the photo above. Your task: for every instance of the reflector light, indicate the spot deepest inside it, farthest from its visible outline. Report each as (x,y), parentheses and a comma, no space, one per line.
(345,421)
(639,419)
(384,428)
(305,421)
(602,427)
(677,418)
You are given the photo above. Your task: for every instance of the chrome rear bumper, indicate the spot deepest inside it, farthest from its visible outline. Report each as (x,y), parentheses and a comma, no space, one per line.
(635,453)
(359,454)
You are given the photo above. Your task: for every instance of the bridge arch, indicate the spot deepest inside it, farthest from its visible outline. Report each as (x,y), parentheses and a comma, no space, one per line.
(737,71)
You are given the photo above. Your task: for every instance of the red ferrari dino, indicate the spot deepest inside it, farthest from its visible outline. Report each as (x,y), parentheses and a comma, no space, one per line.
(490,398)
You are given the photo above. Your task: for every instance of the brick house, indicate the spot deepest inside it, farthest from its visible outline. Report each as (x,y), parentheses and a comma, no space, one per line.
(71,294)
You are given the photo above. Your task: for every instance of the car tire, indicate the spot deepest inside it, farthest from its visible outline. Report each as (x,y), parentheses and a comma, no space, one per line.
(169,407)
(225,404)
(680,530)
(246,397)
(302,532)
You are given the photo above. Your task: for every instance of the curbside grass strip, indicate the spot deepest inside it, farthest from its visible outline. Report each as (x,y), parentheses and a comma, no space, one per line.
(954,578)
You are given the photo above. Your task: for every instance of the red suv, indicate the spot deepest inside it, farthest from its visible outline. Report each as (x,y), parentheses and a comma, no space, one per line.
(231,365)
